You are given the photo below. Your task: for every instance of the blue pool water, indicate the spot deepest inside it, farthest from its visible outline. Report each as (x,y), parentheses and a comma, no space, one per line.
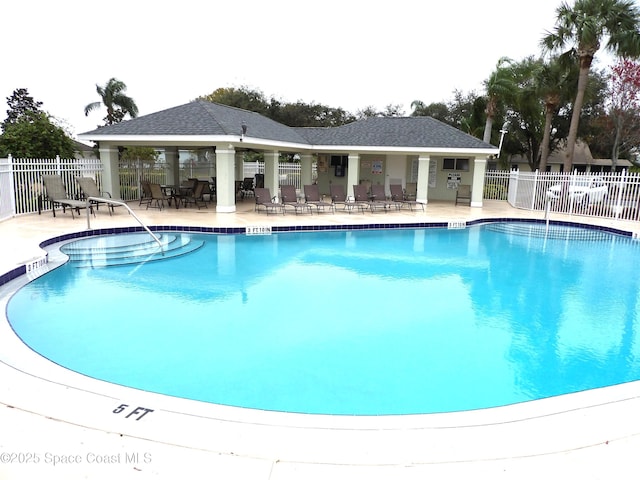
(364,322)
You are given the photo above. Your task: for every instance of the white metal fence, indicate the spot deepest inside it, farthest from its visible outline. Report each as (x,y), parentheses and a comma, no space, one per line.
(611,195)
(607,194)
(21,187)
(289,173)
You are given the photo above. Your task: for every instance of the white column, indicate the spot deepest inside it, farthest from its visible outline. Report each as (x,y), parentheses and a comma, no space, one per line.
(172,160)
(477,185)
(306,162)
(271,178)
(239,165)
(353,173)
(422,193)
(109,157)
(225,188)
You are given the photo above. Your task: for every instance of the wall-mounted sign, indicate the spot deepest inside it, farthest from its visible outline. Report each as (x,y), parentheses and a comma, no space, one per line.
(453,180)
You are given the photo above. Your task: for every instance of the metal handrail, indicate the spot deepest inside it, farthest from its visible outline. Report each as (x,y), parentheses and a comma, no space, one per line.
(116,202)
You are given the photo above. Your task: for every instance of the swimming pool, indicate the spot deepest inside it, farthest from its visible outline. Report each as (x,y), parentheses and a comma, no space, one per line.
(361,322)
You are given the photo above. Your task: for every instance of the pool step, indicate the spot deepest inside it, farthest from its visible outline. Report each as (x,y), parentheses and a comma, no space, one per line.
(108,251)
(541,230)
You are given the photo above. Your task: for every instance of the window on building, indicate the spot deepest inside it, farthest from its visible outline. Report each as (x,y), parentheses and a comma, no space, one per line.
(459,164)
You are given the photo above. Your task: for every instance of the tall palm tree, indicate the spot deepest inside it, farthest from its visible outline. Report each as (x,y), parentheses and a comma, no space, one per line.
(582,29)
(499,84)
(555,80)
(118,104)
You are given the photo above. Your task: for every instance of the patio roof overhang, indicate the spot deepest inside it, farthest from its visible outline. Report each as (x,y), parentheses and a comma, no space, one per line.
(233,141)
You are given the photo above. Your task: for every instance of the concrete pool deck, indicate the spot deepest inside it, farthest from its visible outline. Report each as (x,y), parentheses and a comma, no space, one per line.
(61,425)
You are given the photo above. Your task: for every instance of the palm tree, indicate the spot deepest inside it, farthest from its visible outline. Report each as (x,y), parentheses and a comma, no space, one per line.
(499,84)
(553,84)
(582,29)
(118,104)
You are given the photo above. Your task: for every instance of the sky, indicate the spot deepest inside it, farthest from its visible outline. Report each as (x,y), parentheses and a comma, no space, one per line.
(346,54)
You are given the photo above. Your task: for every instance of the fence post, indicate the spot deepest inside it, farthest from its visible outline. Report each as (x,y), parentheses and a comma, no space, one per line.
(512,194)
(7,189)
(536,174)
(621,187)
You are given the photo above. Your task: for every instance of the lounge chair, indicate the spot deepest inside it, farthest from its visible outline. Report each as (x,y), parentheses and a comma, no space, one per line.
(339,197)
(312,197)
(158,197)
(378,194)
(463,194)
(89,188)
(265,200)
(290,199)
(57,195)
(411,191)
(398,195)
(361,195)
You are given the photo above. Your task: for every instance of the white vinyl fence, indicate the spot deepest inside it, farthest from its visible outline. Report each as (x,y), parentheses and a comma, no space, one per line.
(289,173)
(21,187)
(607,194)
(610,195)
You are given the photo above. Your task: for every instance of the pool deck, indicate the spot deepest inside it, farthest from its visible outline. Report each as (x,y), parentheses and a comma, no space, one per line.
(57,424)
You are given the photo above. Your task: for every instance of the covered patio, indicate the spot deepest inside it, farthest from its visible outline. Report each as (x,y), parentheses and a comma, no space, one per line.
(383,150)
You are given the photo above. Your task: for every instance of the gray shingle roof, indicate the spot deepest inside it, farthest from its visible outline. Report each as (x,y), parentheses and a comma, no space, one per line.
(201,118)
(423,132)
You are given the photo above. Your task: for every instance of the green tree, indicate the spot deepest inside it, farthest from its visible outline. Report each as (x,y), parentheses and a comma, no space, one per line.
(20,103)
(524,112)
(582,29)
(298,114)
(437,110)
(118,104)
(132,155)
(554,82)
(33,135)
(389,111)
(243,97)
(499,84)
(464,111)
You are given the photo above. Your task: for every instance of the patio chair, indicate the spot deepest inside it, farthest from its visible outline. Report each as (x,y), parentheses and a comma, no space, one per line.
(89,188)
(259,180)
(146,193)
(290,199)
(398,195)
(195,196)
(57,195)
(158,197)
(312,197)
(265,200)
(183,191)
(361,195)
(247,187)
(378,194)
(339,197)
(463,194)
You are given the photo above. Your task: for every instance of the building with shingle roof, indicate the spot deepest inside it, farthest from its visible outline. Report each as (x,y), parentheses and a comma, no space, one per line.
(407,150)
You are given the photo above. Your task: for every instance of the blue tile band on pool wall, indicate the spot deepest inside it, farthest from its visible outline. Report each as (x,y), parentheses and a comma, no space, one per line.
(21,270)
